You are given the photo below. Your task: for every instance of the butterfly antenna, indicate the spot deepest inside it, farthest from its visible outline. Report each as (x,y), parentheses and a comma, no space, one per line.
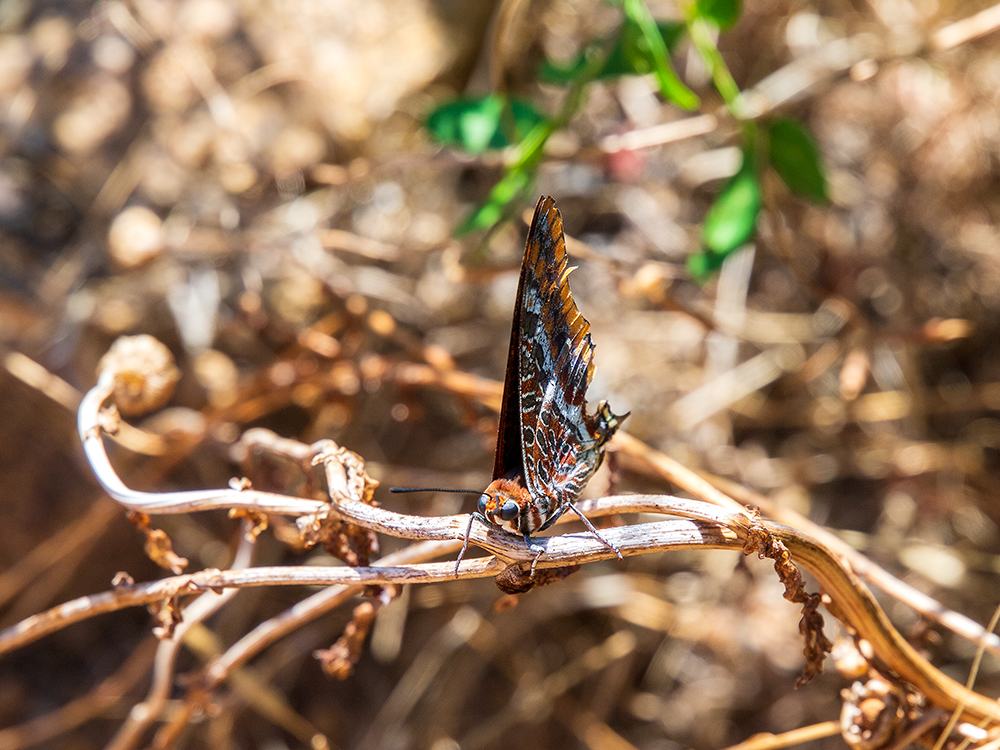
(472,516)
(434,489)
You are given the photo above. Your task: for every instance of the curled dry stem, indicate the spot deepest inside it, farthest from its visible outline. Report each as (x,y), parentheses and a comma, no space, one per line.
(766,545)
(90,424)
(339,660)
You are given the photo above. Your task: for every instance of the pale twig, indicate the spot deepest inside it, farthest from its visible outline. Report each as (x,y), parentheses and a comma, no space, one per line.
(495,540)
(81,532)
(52,386)
(768,741)
(384,731)
(33,374)
(269,701)
(309,609)
(793,81)
(339,239)
(145,713)
(592,730)
(486,391)
(973,673)
(89,424)
(658,135)
(672,471)
(534,698)
(730,386)
(560,550)
(47,587)
(991,745)
(916,730)
(502,22)
(981,23)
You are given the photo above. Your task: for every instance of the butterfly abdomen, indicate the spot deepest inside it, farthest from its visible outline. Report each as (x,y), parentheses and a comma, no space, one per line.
(605,424)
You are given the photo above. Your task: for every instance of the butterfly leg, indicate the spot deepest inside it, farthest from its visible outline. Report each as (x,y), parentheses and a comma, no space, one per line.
(465,540)
(538,549)
(595,532)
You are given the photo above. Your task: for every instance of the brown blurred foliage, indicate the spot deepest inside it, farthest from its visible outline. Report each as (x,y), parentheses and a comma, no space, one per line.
(250,183)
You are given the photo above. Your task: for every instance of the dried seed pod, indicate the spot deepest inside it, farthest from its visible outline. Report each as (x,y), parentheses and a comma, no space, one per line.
(136,235)
(872,714)
(144,370)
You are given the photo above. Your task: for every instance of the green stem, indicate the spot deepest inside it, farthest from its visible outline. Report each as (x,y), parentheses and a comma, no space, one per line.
(530,150)
(670,85)
(702,36)
(519,173)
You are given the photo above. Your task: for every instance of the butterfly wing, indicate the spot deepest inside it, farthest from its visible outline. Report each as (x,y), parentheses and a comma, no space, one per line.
(561,445)
(508,460)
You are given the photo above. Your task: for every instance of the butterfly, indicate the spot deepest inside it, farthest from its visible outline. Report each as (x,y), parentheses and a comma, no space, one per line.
(548,445)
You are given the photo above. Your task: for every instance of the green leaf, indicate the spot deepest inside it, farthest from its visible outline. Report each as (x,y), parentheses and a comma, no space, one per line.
(476,124)
(723,13)
(636,55)
(643,40)
(731,219)
(526,117)
(469,123)
(632,55)
(702,265)
(797,160)
(619,63)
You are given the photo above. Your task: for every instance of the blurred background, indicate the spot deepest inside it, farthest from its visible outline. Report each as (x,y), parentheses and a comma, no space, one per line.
(256,184)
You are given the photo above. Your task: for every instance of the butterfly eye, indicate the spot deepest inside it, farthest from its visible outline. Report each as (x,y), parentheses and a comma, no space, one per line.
(508,512)
(483,499)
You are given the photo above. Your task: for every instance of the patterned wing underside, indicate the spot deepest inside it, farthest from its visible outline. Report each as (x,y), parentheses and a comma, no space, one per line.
(558,437)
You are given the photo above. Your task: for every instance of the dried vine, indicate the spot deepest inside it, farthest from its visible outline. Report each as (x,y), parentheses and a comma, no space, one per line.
(345,524)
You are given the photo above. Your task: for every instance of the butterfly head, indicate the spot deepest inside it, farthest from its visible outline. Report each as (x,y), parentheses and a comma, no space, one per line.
(507,504)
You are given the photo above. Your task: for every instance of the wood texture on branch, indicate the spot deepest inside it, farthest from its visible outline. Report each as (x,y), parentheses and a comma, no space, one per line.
(560,550)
